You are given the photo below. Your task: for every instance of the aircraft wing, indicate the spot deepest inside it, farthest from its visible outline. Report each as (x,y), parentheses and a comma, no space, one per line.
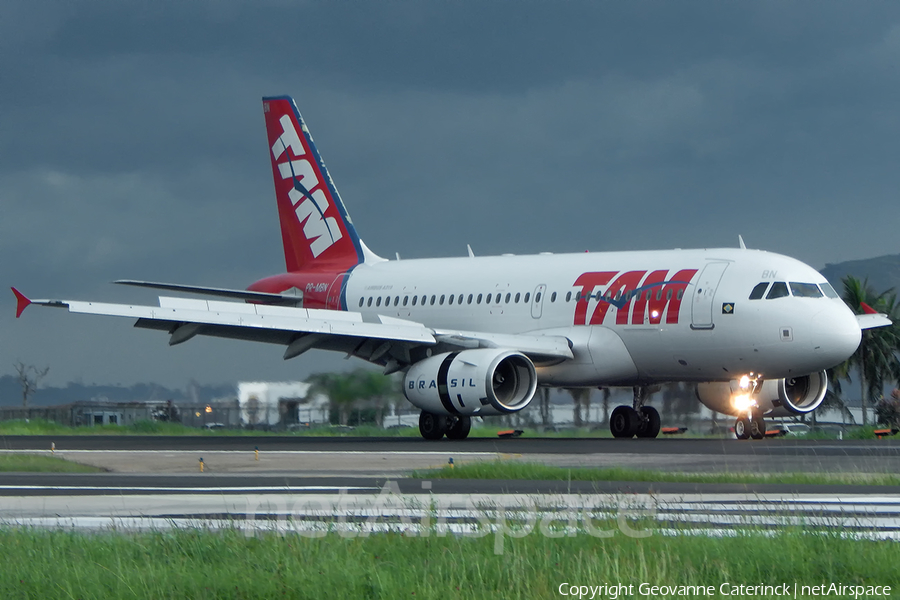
(870,321)
(383,340)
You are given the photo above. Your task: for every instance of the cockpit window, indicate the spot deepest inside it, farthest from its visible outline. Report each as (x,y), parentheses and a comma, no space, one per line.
(829,291)
(759,290)
(779,290)
(805,290)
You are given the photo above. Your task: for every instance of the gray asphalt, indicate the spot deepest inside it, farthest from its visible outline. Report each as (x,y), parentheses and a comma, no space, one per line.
(67,484)
(572,446)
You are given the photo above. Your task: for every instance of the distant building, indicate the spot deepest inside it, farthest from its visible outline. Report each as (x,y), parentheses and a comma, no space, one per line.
(267,403)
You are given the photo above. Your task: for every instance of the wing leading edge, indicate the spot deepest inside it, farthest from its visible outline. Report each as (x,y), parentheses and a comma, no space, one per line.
(387,341)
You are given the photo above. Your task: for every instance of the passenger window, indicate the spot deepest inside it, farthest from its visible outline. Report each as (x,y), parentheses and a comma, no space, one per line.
(450,299)
(668,295)
(568,297)
(537,297)
(805,290)
(508,297)
(478,300)
(659,294)
(361,302)
(470,299)
(396,300)
(424,300)
(433,298)
(527,296)
(459,300)
(378,301)
(405,300)
(680,294)
(441,301)
(487,300)
(369,303)
(516,299)
(759,290)
(553,297)
(829,291)
(779,290)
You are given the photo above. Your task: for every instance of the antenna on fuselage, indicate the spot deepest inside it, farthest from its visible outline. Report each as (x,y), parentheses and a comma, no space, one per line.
(741,242)
(471,254)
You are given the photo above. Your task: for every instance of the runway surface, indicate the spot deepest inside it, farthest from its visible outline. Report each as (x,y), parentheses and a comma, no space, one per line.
(396,457)
(522,445)
(356,484)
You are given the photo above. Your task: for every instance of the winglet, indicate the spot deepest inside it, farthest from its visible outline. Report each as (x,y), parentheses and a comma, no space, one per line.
(867,309)
(21,301)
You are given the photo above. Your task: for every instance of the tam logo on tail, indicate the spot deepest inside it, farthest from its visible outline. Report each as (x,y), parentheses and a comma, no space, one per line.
(309,206)
(315,229)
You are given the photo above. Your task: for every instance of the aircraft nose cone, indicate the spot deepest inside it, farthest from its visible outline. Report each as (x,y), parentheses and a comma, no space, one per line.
(837,333)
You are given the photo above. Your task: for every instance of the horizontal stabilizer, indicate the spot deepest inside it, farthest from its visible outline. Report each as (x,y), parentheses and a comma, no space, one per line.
(247,295)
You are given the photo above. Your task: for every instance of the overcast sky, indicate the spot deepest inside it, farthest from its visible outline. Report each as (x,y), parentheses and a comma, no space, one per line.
(132,145)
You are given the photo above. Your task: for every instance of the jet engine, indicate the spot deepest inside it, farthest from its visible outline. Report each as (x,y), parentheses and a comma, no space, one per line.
(486,381)
(775,397)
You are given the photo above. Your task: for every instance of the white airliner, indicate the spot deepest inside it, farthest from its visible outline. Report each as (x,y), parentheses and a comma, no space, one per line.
(476,336)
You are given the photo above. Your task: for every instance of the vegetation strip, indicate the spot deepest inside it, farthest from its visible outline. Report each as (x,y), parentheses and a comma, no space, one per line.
(193,563)
(514,469)
(31,463)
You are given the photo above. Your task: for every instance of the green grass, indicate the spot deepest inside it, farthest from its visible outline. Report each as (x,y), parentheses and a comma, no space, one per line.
(201,564)
(32,463)
(515,469)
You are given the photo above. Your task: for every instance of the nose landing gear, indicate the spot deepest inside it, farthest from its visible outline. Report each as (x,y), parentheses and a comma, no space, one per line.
(751,425)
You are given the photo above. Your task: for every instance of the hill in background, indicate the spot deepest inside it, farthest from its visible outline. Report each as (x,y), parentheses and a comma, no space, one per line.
(883,272)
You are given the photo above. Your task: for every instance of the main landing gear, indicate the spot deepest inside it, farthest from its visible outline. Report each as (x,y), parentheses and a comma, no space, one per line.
(637,420)
(751,425)
(434,427)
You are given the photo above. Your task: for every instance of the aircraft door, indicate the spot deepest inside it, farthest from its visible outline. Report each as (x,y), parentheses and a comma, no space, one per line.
(537,301)
(333,298)
(702,300)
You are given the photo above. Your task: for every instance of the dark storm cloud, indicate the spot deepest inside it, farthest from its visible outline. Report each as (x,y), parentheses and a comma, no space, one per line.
(132,142)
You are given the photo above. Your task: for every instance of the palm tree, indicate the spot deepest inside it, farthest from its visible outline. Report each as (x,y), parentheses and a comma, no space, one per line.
(376,389)
(342,390)
(876,359)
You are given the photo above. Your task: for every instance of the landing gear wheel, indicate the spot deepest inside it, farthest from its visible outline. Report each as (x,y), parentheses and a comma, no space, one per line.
(757,427)
(624,422)
(650,423)
(742,428)
(432,426)
(460,429)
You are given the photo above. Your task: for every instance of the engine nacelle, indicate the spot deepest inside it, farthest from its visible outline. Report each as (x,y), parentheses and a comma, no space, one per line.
(486,381)
(775,398)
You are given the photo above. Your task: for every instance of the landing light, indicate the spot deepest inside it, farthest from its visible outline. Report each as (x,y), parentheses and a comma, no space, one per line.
(745,382)
(655,314)
(743,402)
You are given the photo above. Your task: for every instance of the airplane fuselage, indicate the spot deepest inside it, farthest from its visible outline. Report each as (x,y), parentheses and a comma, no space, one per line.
(632,317)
